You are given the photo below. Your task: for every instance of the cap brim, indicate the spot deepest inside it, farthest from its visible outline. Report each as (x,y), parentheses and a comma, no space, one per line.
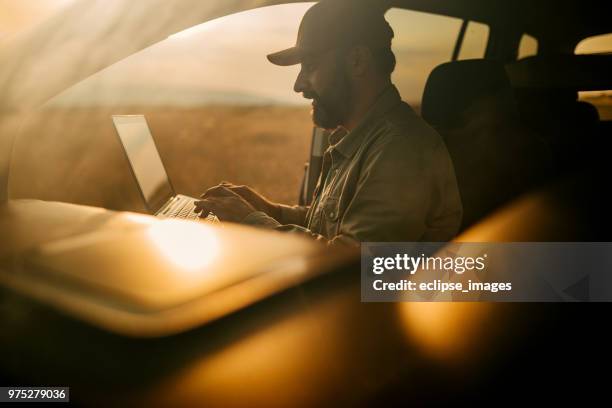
(290,56)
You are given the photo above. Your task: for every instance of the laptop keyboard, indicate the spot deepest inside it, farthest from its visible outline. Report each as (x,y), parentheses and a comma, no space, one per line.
(184,208)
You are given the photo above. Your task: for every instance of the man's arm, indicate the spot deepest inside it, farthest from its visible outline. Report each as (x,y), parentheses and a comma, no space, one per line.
(261,219)
(405,191)
(290,215)
(295,214)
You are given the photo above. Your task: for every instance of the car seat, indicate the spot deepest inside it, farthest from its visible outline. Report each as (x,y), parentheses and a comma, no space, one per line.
(471,104)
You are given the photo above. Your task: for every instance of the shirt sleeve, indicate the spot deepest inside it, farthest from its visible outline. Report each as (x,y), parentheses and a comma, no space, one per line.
(295,215)
(262,220)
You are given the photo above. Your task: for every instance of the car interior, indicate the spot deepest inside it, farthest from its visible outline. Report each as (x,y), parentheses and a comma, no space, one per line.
(287,328)
(516,126)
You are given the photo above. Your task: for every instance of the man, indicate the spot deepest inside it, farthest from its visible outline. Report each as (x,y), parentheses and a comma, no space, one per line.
(387,175)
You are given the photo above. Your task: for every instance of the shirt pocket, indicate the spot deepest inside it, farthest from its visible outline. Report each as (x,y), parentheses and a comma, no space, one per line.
(331,209)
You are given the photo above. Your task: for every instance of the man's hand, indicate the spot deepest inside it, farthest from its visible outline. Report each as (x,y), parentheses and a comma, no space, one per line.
(256,200)
(225,204)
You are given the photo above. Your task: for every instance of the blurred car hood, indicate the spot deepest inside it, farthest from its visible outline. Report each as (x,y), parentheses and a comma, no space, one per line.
(144,276)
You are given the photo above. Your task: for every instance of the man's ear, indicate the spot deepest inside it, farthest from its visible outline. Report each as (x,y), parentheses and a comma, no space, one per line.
(359,60)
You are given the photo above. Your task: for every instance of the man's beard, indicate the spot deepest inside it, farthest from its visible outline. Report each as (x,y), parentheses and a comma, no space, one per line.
(330,109)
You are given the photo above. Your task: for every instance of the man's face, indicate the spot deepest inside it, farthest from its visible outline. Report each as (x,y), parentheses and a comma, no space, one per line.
(323,79)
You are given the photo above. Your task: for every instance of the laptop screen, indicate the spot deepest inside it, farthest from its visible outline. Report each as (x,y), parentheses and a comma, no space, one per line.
(144,159)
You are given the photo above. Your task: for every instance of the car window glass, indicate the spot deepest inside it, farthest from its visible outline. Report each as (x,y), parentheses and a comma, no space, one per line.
(602,99)
(596,44)
(217,109)
(475,41)
(422,41)
(528,46)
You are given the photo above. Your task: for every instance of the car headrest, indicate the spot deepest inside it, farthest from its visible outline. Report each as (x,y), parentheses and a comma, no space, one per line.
(586,113)
(457,87)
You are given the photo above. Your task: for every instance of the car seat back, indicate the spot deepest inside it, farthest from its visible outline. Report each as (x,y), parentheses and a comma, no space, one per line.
(471,104)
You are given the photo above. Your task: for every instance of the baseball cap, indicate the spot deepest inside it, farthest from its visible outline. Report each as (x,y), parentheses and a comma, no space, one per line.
(332,24)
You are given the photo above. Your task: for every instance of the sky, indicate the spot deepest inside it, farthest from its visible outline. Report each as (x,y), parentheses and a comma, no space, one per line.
(223,60)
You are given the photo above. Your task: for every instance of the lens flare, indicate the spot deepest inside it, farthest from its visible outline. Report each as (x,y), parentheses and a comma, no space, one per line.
(190,246)
(448,331)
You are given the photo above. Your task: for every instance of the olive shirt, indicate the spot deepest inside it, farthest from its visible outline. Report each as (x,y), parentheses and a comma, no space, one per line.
(390,179)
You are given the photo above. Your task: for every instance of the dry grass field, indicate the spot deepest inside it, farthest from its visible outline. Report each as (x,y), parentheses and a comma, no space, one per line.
(75,156)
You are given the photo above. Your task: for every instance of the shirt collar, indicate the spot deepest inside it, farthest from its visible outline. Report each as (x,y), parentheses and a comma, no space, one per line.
(345,142)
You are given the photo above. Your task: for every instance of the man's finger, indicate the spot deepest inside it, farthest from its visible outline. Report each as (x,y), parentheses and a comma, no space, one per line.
(236,190)
(216,191)
(205,203)
(210,191)
(199,206)
(232,187)
(211,203)
(242,190)
(231,193)
(204,214)
(204,207)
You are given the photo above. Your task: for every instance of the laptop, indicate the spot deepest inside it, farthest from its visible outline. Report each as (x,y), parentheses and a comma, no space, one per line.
(148,169)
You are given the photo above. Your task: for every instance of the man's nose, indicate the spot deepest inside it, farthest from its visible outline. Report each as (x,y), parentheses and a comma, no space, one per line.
(300,84)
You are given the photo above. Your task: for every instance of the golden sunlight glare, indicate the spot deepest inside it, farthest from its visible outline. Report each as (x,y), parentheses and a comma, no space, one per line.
(189,245)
